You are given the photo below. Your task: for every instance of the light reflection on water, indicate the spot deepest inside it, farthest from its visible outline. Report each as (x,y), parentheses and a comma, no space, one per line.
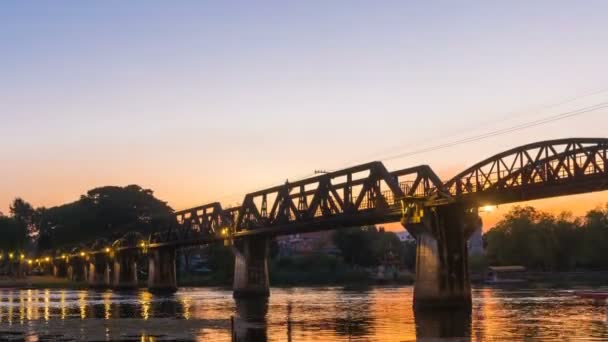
(295,314)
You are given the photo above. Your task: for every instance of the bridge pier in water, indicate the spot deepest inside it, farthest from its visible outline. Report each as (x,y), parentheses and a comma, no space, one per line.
(125,270)
(251,267)
(98,265)
(442,271)
(77,269)
(60,268)
(99,271)
(162,277)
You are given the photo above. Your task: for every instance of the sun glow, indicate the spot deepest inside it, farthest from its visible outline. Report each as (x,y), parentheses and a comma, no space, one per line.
(488,208)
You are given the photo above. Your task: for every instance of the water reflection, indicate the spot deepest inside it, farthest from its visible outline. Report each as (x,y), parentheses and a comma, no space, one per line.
(298,314)
(356,318)
(437,324)
(250,321)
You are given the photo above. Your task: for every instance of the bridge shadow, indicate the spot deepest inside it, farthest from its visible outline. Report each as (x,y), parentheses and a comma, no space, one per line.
(250,324)
(443,324)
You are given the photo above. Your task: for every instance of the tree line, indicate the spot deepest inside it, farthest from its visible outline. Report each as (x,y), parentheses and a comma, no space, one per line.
(547,242)
(108,211)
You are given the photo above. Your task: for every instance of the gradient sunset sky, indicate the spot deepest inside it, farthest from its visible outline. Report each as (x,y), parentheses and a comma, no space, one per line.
(204,101)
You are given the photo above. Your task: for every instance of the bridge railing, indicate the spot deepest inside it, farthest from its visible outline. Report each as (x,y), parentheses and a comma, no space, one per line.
(545,163)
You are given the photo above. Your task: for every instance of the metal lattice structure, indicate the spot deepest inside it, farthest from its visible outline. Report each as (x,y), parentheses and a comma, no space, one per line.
(539,170)
(369,194)
(360,195)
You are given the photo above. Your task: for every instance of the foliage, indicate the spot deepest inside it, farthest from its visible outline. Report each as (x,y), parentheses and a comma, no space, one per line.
(478,263)
(13,235)
(314,269)
(367,246)
(108,212)
(541,241)
(220,259)
(23,215)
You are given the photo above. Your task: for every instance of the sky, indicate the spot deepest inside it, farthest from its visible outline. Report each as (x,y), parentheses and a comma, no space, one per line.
(205,101)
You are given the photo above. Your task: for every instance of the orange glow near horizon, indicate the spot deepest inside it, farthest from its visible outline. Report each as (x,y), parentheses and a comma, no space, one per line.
(182,198)
(576,205)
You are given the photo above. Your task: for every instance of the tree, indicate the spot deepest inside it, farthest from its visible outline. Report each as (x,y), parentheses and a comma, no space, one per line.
(23,214)
(13,236)
(594,240)
(107,212)
(220,259)
(367,246)
(541,241)
(355,245)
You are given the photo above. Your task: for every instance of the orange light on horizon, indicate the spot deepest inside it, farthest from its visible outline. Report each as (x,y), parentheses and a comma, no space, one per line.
(488,208)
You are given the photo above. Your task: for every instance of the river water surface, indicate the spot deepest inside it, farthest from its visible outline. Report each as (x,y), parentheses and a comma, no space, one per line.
(296,314)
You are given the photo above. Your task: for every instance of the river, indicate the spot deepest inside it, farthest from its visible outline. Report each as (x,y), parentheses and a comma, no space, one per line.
(295,314)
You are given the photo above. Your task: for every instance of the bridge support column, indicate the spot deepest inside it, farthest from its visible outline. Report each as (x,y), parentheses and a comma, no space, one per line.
(60,269)
(99,271)
(162,277)
(442,271)
(77,269)
(13,268)
(251,268)
(125,270)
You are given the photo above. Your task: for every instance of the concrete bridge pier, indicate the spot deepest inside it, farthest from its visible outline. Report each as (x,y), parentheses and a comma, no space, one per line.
(98,265)
(99,271)
(442,271)
(162,277)
(76,269)
(60,268)
(125,270)
(251,267)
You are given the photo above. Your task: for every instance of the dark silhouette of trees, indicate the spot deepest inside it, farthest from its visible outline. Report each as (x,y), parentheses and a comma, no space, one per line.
(24,215)
(108,211)
(13,236)
(367,246)
(541,241)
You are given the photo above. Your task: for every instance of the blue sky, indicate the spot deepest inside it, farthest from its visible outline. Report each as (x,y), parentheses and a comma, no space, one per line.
(203,101)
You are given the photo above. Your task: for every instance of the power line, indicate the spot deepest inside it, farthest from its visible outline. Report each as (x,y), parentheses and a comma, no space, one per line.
(500,119)
(518,127)
(478,137)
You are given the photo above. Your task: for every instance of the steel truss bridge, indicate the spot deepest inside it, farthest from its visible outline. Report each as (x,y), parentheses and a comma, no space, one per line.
(370,194)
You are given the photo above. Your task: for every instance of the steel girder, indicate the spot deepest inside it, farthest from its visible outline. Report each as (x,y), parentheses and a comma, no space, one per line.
(539,170)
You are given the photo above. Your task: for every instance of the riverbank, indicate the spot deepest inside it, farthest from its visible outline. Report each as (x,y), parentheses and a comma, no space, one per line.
(532,279)
(346,278)
(40,282)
